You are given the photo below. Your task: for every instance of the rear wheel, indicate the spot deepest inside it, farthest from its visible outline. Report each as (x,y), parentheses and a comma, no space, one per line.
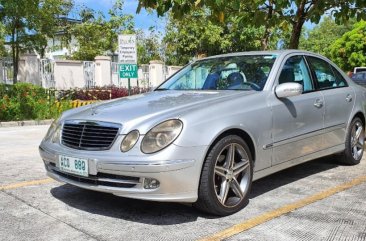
(226,177)
(355,141)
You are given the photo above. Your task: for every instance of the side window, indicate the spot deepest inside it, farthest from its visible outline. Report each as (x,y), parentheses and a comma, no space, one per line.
(326,77)
(296,70)
(340,81)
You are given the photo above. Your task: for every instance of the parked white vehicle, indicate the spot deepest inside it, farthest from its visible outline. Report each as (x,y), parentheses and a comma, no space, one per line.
(359,69)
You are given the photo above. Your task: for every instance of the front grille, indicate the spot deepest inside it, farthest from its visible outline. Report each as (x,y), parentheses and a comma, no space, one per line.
(86,135)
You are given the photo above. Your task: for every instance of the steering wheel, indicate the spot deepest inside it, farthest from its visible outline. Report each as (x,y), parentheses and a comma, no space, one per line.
(252,85)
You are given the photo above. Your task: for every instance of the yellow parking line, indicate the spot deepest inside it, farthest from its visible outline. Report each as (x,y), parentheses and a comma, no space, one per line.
(238,228)
(26,183)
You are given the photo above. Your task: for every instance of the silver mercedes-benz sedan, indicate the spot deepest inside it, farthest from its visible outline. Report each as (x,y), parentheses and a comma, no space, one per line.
(207,132)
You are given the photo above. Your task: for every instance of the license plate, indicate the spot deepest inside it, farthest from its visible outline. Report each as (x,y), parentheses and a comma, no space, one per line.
(77,166)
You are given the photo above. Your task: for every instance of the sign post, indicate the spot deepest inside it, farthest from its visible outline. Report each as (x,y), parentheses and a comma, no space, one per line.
(127,57)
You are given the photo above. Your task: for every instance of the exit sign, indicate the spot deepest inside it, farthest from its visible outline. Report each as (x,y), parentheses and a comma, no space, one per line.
(128,71)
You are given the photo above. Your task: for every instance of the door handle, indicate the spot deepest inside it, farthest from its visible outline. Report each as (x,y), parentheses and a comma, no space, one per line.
(349,98)
(318,103)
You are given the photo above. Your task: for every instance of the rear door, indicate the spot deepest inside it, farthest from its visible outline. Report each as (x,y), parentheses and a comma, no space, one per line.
(339,100)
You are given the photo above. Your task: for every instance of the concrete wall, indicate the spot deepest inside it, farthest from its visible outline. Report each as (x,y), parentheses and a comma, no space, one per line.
(69,74)
(103,73)
(172,69)
(29,69)
(156,73)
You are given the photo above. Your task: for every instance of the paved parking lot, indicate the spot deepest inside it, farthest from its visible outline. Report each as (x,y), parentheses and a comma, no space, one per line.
(319,200)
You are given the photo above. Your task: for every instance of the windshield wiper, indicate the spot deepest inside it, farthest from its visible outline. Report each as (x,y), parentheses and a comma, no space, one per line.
(161,89)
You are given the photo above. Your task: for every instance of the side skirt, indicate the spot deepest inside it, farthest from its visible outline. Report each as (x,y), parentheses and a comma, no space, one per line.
(297,161)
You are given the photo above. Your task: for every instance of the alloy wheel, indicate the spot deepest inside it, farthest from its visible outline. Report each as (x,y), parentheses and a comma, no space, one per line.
(357,140)
(232,175)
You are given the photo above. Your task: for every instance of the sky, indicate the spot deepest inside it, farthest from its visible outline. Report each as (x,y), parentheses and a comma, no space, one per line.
(143,20)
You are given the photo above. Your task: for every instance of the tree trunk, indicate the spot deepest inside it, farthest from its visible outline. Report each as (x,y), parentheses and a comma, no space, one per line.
(267,30)
(16,62)
(42,51)
(265,39)
(295,34)
(297,25)
(13,52)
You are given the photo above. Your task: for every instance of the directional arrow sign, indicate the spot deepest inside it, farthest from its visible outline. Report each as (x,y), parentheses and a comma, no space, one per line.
(128,71)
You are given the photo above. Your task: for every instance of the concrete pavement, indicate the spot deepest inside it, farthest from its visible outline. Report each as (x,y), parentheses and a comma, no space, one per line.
(55,211)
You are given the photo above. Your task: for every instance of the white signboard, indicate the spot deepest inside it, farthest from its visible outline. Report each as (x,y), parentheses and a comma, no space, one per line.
(127,50)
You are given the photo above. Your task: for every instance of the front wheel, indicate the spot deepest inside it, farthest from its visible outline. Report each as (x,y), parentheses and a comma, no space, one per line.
(226,177)
(355,141)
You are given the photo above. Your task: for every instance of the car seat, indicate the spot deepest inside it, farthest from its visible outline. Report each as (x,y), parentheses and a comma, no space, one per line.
(235,80)
(287,75)
(211,81)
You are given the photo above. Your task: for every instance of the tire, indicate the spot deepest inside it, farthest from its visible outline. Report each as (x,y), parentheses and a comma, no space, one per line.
(220,172)
(355,140)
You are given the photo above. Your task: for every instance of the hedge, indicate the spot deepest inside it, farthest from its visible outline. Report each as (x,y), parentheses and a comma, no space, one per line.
(24,101)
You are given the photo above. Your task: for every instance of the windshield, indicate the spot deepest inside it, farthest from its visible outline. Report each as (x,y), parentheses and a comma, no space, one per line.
(246,72)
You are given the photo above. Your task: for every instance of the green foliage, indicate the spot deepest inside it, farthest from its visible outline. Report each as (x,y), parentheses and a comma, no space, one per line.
(2,41)
(29,22)
(268,14)
(24,101)
(198,35)
(350,50)
(322,36)
(98,35)
(148,46)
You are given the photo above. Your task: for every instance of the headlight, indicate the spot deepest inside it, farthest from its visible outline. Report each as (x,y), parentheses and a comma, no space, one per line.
(51,131)
(161,136)
(130,140)
(56,135)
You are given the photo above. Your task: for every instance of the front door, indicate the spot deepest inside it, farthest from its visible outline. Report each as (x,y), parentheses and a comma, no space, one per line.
(297,120)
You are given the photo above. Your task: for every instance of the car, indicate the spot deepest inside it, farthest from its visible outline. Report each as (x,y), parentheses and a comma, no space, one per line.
(359,78)
(206,133)
(359,69)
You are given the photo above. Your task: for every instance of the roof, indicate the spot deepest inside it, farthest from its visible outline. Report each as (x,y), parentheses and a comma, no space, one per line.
(270,52)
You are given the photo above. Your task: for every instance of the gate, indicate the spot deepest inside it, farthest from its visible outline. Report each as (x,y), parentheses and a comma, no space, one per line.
(47,73)
(89,74)
(115,74)
(7,70)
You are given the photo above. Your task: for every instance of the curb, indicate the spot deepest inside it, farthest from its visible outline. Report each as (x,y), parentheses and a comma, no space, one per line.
(25,123)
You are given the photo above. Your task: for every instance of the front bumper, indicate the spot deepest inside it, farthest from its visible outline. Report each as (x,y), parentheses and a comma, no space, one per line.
(125,176)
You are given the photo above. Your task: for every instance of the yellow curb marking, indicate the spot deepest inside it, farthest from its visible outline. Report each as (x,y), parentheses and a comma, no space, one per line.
(25,184)
(241,227)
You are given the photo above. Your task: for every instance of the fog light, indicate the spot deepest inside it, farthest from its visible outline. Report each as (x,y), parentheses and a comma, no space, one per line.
(150,183)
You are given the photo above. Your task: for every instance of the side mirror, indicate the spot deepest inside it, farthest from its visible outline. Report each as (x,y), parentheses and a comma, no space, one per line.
(288,89)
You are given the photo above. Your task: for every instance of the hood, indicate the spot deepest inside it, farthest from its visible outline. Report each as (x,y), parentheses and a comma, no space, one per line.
(134,110)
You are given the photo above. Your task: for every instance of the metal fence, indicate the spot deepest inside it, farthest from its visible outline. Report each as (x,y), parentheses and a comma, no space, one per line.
(7,70)
(89,74)
(46,70)
(114,73)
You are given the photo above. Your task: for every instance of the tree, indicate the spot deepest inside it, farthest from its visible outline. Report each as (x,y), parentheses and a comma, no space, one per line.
(350,50)
(148,46)
(320,38)
(98,35)
(198,35)
(267,13)
(2,40)
(23,19)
